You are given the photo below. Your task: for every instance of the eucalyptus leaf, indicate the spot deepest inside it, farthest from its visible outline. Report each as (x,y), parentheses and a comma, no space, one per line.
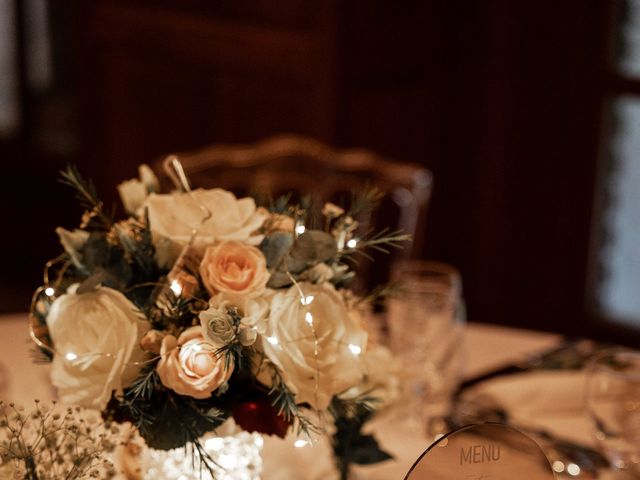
(279,280)
(100,256)
(314,246)
(275,247)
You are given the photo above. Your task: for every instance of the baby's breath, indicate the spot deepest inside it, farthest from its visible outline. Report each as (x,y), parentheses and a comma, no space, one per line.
(52,444)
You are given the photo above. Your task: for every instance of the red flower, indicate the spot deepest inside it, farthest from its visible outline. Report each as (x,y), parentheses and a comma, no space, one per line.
(258,415)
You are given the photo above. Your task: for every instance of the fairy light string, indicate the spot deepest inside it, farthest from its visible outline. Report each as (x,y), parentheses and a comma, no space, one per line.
(174,169)
(308,318)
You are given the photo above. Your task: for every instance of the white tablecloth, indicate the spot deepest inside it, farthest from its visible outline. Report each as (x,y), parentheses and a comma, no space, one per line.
(486,347)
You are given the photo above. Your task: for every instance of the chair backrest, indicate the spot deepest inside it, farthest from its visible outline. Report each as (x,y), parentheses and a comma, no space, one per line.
(304,166)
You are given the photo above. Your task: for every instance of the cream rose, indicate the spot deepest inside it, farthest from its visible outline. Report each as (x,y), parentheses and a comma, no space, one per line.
(381,377)
(218,325)
(290,338)
(134,192)
(173,217)
(190,366)
(84,327)
(234,268)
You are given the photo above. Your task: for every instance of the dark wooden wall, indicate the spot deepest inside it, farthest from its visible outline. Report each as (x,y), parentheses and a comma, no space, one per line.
(501,99)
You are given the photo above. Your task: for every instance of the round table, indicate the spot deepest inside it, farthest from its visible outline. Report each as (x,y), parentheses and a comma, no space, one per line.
(486,347)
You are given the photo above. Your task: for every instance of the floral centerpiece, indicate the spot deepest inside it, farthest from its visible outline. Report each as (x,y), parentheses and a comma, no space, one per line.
(199,307)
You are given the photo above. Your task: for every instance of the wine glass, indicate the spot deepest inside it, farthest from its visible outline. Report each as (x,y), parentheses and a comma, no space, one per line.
(426,323)
(613,406)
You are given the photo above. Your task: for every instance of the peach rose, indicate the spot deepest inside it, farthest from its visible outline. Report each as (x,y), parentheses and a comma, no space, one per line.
(189,365)
(234,268)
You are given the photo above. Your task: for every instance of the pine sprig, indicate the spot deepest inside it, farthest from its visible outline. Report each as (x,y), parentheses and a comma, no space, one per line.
(233,355)
(86,195)
(202,458)
(382,241)
(144,385)
(381,292)
(40,356)
(365,201)
(283,400)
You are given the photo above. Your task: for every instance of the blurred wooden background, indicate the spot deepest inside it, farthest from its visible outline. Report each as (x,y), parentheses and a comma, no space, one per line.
(502,100)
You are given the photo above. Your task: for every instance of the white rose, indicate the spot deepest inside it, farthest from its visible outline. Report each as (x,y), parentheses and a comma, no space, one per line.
(85,326)
(134,192)
(173,217)
(290,343)
(381,377)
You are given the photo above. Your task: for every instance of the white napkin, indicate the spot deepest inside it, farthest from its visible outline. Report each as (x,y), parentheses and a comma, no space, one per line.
(552,400)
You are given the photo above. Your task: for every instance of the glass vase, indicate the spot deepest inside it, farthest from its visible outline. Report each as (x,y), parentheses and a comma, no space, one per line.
(236,456)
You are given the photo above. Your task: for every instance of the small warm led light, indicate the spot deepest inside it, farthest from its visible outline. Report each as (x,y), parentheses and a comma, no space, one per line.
(307,300)
(71,356)
(558,466)
(228,461)
(176,288)
(49,292)
(300,443)
(573,469)
(272,340)
(300,229)
(215,443)
(353,243)
(355,349)
(308,318)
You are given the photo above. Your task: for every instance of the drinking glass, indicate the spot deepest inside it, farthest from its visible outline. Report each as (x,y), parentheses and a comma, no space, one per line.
(426,321)
(613,406)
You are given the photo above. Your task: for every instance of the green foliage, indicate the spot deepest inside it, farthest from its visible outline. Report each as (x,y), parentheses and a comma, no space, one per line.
(313,246)
(290,257)
(171,312)
(145,384)
(275,247)
(350,444)
(40,355)
(96,219)
(165,419)
(105,261)
(233,352)
(365,201)
(172,420)
(382,241)
(283,400)
(281,204)
(382,292)
(137,243)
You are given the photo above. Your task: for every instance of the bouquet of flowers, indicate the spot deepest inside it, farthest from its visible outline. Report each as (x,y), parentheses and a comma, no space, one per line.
(199,307)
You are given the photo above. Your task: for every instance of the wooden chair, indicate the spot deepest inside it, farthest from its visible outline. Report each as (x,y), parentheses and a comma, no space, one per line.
(304,166)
